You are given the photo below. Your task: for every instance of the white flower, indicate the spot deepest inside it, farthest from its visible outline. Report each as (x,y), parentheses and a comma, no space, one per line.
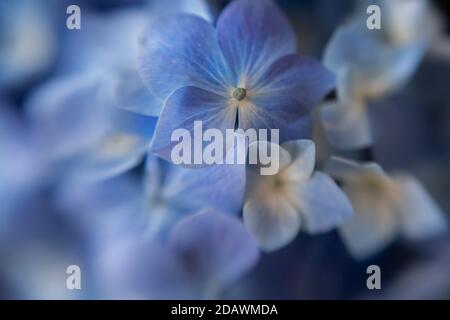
(370,64)
(385,207)
(277,207)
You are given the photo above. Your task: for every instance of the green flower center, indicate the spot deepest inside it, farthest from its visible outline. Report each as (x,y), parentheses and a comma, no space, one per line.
(239,94)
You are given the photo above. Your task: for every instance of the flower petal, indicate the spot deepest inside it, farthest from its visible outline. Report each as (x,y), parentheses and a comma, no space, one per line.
(299,77)
(197,189)
(219,248)
(380,69)
(68,114)
(181,51)
(130,93)
(304,154)
(252,36)
(340,168)
(323,205)
(136,269)
(346,126)
(184,107)
(277,112)
(371,228)
(272,221)
(420,215)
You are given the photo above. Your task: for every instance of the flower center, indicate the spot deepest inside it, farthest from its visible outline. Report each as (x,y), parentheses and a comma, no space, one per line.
(239,94)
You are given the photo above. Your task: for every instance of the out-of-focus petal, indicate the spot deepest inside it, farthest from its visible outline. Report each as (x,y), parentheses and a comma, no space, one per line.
(379,68)
(420,217)
(27,40)
(218,246)
(136,269)
(130,93)
(181,51)
(322,204)
(67,115)
(340,168)
(82,130)
(346,126)
(197,7)
(252,36)
(372,227)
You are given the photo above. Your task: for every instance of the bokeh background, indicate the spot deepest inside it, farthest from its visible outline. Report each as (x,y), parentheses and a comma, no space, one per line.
(48,223)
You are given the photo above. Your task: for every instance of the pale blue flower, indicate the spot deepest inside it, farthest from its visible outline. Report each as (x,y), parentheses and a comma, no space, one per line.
(82,131)
(173,192)
(243,75)
(27,40)
(109,44)
(23,166)
(205,254)
(277,207)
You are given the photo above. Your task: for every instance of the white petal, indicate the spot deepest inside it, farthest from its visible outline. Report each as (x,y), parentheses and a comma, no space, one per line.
(346,126)
(420,215)
(338,167)
(282,157)
(323,205)
(303,153)
(272,222)
(375,221)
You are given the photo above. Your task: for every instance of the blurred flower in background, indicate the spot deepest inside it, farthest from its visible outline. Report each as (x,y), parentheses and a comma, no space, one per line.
(82,112)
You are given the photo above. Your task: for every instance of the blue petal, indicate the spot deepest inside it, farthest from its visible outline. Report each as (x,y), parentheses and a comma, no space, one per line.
(286,93)
(130,93)
(181,51)
(28,40)
(276,112)
(298,77)
(197,7)
(183,108)
(136,269)
(85,134)
(218,247)
(252,35)
(197,189)
(175,192)
(67,115)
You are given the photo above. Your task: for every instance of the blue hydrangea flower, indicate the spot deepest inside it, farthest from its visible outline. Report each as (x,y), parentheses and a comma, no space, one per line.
(173,192)
(75,114)
(244,74)
(23,165)
(108,43)
(205,254)
(296,198)
(27,40)
(82,131)
(122,205)
(36,252)
(385,207)
(370,64)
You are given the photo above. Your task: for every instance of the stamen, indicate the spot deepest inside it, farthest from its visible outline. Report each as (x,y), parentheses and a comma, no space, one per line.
(239,94)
